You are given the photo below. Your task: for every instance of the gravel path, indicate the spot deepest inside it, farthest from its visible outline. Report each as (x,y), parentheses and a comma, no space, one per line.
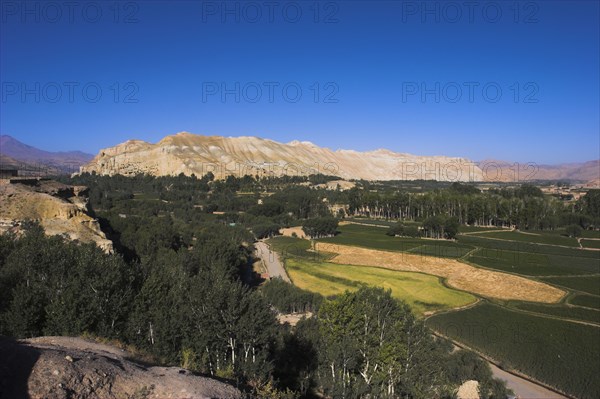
(271,261)
(522,388)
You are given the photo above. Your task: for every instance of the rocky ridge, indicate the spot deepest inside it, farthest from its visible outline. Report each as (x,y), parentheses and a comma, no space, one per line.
(196,154)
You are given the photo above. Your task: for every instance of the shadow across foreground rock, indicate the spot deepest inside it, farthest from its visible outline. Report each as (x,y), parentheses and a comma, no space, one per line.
(65,367)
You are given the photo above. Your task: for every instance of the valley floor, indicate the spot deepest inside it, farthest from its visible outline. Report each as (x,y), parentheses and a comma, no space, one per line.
(538,291)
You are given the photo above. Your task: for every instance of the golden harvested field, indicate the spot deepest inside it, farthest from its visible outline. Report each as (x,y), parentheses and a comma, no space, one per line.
(459,275)
(424,293)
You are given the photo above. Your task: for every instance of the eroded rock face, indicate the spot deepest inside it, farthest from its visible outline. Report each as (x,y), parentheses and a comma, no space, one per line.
(74,368)
(195,154)
(59,208)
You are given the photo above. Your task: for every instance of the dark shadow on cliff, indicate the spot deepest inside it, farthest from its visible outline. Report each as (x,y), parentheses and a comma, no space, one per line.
(16,363)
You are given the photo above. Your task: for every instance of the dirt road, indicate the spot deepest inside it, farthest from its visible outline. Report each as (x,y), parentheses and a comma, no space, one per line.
(271,261)
(522,388)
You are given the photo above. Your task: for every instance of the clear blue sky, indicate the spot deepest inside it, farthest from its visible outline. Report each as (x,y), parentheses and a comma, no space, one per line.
(374,57)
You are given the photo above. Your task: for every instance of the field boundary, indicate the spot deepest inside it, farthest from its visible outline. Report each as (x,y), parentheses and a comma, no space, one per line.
(530,242)
(460,275)
(497,364)
(549,316)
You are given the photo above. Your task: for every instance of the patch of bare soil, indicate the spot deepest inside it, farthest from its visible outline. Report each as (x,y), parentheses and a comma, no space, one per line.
(459,275)
(290,231)
(293,318)
(468,390)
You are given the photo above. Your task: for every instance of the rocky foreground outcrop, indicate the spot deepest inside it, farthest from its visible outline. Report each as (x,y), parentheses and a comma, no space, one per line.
(74,368)
(195,154)
(59,208)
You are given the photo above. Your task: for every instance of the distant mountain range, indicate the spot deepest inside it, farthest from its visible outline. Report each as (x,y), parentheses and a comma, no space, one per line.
(197,154)
(583,172)
(17,154)
(36,169)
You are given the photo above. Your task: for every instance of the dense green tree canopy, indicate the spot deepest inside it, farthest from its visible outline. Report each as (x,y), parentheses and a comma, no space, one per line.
(178,285)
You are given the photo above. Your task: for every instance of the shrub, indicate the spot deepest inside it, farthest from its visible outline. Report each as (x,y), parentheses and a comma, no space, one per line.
(573,230)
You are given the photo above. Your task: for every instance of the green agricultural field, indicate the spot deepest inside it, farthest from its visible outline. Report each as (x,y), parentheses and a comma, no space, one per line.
(533,263)
(475,229)
(588,301)
(590,243)
(590,233)
(535,339)
(537,346)
(291,246)
(441,251)
(562,232)
(589,284)
(538,237)
(518,246)
(371,237)
(561,311)
(375,238)
(422,292)
(374,222)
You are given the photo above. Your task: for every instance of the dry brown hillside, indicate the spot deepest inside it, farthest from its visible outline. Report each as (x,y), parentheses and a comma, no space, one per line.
(189,153)
(196,154)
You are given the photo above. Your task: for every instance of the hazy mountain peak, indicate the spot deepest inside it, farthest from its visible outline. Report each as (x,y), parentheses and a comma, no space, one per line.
(66,161)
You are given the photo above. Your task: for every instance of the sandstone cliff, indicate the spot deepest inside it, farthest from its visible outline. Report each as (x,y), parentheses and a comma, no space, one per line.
(59,208)
(64,367)
(195,154)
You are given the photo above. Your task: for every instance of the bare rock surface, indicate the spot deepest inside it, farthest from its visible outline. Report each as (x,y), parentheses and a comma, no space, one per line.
(75,368)
(59,208)
(196,154)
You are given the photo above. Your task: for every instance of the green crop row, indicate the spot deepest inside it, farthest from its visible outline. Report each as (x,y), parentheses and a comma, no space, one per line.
(537,346)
